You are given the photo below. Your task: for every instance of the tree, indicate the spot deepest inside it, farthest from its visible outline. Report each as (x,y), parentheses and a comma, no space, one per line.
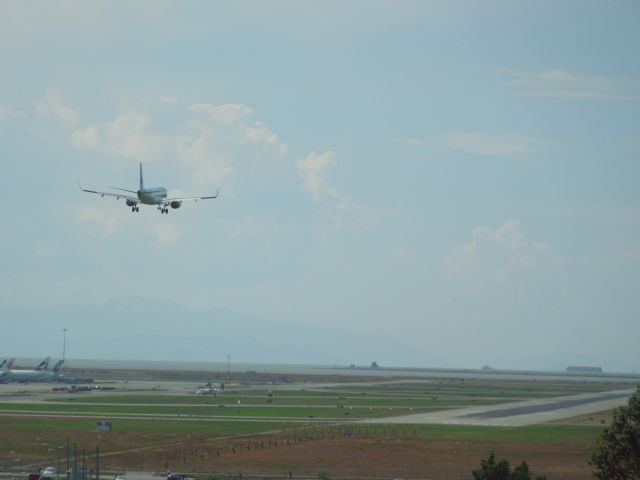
(618,454)
(492,470)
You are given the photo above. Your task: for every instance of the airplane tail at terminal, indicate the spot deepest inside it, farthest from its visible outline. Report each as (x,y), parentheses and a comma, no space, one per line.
(44,365)
(3,364)
(58,366)
(9,364)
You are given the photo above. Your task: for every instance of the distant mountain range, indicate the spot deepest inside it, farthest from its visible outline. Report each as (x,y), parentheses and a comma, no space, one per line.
(138,329)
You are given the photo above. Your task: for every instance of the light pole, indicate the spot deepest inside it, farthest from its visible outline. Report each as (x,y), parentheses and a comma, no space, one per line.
(64,346)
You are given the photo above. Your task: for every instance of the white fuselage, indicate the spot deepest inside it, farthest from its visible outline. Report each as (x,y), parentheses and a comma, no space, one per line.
(24,376)
(152,195)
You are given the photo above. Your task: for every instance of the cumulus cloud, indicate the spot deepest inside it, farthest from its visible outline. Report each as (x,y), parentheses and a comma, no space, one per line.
(53,105)
(492,145)
(238,119)
(95,220)
(228,114)
(564,84)
(212,145)
(128,135)
(337,208)
(314,169)
(499,252)
(213,142)
(209,164)
(85,137)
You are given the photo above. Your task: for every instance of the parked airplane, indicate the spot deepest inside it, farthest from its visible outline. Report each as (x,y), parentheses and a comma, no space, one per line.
(55,374)
(5,366)
(149,196)
(39,374)
(207,391)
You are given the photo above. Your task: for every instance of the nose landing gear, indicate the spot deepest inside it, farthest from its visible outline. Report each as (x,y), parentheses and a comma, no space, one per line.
(135,208)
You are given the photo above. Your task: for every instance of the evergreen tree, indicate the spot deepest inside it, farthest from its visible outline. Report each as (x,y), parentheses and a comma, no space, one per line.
(618,454)
(492,470)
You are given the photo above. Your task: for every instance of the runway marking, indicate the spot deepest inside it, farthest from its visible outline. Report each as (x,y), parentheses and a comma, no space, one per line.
(545,408)
(517,414)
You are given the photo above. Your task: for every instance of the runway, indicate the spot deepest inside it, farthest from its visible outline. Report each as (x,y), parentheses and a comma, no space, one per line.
(518,414)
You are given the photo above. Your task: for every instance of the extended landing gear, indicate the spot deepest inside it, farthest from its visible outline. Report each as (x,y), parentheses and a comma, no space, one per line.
(135,208)
(163,209)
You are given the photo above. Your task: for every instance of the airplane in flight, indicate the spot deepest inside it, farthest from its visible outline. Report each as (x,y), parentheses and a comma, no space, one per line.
(40,373)
(149,196)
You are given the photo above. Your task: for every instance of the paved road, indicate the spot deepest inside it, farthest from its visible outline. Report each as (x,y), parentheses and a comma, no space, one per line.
(518,414)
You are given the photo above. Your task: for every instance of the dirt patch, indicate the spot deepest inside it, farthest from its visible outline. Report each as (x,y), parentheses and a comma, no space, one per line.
(302,453)
(400,458)
(356,457)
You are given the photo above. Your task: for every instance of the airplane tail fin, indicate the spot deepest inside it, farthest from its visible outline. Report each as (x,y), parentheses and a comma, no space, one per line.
(58,366)
(44,365)
(141,181)
(9,364)
(3,364)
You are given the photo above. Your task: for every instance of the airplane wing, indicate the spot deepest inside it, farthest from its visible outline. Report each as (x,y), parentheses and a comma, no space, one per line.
(167,201)
(111,194)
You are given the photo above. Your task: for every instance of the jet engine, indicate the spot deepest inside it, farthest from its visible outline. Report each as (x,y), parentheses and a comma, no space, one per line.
(131,203)
(175,204)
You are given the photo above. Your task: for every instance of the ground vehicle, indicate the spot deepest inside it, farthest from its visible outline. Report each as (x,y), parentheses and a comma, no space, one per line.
(178,476)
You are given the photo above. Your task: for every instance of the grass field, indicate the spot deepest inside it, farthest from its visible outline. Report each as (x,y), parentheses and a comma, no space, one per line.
(279,400)
(306,426)
(290,411)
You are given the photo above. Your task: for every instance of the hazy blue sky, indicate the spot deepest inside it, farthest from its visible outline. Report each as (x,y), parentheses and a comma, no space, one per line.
(460,178)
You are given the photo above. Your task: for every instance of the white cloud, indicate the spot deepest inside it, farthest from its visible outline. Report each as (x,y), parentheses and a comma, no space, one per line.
(492,145)
(95,219)
(53,105)
(207,162)
(313,171)
(85,137)
(128,135)
(215,143)
(228,114)
(260,133)
(498,252)
(564,84)
(336,207)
